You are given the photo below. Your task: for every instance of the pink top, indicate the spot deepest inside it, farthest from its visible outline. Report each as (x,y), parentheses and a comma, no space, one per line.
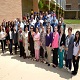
(37,40)
(55,42)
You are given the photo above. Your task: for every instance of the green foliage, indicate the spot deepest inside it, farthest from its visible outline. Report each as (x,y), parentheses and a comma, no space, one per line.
(40,4)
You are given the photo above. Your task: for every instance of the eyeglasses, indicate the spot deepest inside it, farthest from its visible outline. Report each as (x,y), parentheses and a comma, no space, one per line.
(77,34)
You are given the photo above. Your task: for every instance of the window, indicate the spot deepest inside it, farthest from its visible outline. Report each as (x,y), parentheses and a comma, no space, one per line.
(68,7)
(79,7)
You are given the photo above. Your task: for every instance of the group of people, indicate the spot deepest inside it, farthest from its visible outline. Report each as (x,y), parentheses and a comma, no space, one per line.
(41,37)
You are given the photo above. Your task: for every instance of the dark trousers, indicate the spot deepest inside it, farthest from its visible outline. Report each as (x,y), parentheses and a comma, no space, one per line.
(15,47)
(75,64)
(21,49)
(68,63)
(10,46)
(3,43)
(32,50)
(55,56)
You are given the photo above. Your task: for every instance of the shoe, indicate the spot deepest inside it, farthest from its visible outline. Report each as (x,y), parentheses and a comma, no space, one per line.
(69,70)
(54,66)
(74,73)
(48,64)
(20,56)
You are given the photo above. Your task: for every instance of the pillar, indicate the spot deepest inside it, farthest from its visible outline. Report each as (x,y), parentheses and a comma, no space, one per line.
(76,14)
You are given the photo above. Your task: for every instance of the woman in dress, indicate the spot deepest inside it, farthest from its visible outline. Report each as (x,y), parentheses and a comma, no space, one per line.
(42,42)
(62,37)
(25,42)
(76,53)
(31,41)
(37,44)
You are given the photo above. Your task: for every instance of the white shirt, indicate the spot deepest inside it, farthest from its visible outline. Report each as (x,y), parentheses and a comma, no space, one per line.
(33,22)
(10,33)
(41,21)
(2,34)
(76,49)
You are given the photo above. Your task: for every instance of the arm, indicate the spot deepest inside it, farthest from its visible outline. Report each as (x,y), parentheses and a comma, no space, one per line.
(78,53)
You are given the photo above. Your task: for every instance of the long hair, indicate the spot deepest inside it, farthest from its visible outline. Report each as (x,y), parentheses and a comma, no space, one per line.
(47,29)
(75,40)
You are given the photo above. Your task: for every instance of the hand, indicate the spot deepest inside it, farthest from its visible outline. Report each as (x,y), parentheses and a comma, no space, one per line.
(41,44)
(13,41)
(76,58)
(24,44)
(66,49)
(60,50)
(50,45)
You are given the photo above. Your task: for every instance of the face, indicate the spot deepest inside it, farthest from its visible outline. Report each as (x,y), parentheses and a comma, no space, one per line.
(77,35)
(55,29)
(69,32)
(31,29)
(43,29)
(37,30)
(26,29)
(48,29)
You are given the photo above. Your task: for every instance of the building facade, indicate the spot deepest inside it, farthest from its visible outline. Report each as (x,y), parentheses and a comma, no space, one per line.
(73,8)
(11,9)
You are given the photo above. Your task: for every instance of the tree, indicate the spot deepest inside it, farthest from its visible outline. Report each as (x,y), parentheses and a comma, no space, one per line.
(40,4)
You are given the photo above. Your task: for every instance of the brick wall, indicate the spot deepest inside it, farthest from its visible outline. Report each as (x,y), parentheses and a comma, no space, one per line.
(35,5)
(10,9)
(27,5)
(75,4)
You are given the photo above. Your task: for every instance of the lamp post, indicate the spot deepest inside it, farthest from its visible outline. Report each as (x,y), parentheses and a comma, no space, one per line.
(49,4)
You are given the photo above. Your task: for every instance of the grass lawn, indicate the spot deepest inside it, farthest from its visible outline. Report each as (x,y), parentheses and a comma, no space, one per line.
(70,21)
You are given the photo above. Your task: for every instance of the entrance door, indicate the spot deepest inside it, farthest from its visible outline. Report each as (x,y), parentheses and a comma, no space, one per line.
(27,5)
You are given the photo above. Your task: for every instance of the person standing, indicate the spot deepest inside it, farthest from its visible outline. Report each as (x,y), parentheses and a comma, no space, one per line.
(37,44)
(25,42)
(31,41)
(55,46)
(42,42)
(20,37)
(15,39)
(2,38)
(49,35)
(69,49)
(76,53)
(10,40)
(61,51)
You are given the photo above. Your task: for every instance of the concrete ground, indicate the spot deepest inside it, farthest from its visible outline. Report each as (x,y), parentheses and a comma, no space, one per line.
(12,67)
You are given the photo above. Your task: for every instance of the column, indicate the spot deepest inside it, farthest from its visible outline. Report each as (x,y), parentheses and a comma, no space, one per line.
(76,14)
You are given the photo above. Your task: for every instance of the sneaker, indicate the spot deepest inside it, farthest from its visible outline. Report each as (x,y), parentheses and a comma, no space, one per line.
(69,70)
(65,67)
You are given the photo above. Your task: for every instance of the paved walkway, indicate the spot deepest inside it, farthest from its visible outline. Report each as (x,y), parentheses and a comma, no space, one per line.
(12,67)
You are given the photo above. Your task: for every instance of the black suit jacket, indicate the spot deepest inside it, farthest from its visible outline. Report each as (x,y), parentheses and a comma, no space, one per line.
(62,42)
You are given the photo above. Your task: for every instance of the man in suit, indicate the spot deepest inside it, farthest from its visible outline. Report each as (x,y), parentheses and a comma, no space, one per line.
(15,39)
